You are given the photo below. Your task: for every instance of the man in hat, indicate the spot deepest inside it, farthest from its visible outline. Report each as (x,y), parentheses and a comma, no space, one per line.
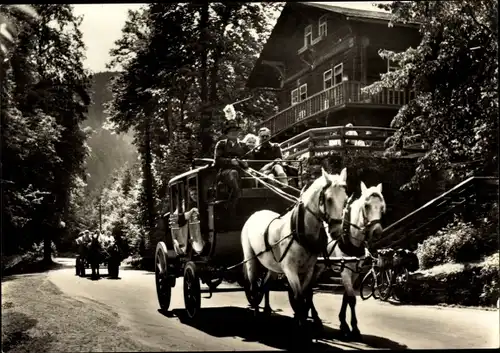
(271,152)
(229,154)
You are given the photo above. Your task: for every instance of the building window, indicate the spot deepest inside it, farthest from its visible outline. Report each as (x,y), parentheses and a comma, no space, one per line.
(327,79)
(295,96)
(392,65)
(337,74)
(308,36)
(303,92)
(322,27)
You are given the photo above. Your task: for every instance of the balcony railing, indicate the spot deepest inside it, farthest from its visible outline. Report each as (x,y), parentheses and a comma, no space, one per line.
(323,140)
(342,93)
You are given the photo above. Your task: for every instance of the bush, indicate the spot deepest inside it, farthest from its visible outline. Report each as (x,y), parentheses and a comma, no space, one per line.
(463,284)
(457,242)
(489,275)
(37,249)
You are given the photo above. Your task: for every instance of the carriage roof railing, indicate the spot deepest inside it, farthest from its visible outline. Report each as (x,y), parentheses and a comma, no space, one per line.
(254,174)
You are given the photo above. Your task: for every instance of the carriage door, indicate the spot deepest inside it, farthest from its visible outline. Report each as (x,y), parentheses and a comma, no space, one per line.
(192,193)
(193,201)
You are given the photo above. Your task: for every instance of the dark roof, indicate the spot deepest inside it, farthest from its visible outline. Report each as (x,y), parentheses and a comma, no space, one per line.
(376,15)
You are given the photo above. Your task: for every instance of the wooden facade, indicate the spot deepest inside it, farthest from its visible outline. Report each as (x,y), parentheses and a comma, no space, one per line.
(318,58)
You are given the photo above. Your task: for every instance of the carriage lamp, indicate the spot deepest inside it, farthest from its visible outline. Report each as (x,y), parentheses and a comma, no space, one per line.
(345,78)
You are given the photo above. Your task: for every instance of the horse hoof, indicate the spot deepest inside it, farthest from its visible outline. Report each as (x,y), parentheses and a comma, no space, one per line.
(318,325)
(256,312)
(356,335)
(268,311)
(345,332)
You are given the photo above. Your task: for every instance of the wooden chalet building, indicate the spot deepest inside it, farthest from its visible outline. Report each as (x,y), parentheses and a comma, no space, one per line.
(317,59)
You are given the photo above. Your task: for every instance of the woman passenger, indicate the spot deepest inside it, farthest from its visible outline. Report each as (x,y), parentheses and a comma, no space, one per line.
(251,141)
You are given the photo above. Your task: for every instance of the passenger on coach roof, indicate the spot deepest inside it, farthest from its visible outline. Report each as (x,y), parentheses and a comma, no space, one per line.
(270,151)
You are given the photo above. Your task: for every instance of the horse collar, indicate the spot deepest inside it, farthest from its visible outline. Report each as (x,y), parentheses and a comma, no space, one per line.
(298,229)
(345,244)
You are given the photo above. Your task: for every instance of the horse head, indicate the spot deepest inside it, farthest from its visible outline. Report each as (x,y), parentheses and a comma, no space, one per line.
(372,208)
(326,198)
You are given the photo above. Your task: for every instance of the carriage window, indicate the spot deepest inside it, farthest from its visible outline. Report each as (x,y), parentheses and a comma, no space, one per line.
(173,198)
(178,198)
(192,193)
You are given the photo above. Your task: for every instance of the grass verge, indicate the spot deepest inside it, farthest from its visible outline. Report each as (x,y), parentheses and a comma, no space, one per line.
(38,317)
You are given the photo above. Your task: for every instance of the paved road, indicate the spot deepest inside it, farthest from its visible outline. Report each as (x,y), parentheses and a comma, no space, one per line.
(227,324)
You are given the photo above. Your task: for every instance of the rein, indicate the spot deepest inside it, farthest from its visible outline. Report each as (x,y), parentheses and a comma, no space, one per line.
(322,218)
(346,230)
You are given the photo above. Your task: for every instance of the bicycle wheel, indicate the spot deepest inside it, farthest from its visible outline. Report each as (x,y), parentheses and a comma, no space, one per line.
(367,287)
(401,284)
(376,289)
(385,285)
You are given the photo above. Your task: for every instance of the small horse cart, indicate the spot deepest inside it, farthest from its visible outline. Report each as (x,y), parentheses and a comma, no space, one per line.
(212,251)
(94,251)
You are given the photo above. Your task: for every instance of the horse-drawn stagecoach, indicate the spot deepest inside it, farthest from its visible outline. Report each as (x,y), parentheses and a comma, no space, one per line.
(214,242)
(271,230)
(95,250)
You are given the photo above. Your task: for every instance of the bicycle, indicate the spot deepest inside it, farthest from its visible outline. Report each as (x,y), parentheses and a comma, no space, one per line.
(396,276)
(372,281)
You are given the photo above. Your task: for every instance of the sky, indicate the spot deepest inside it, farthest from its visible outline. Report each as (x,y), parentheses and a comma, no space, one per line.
(102,25)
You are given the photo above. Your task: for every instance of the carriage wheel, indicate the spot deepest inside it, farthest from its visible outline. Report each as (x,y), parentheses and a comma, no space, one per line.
(192,292)
(77,266)
(367,287)
(163,288)
(82,268)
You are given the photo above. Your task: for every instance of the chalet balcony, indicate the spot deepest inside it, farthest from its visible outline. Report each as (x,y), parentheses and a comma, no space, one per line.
(325,140)
(338,96)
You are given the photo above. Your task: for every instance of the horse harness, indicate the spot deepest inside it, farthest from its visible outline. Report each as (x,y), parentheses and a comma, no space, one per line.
(297,227)
(344,243)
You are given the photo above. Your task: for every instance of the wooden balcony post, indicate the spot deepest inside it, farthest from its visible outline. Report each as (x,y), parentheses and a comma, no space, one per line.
(345,92)
(312,144)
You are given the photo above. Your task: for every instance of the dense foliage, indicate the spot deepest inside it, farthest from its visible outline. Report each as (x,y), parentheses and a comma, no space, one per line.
(460,241)
(182,63)
(459,264)
(453,72)
(44,94)
(9,26)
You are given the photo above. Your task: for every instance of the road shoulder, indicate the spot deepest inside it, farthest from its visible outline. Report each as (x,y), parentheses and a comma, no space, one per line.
(38,317)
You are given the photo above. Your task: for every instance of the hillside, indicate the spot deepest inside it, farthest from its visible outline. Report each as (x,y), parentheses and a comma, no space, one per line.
(108,151)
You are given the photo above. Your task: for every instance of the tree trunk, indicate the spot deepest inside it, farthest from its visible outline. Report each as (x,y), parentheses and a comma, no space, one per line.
(218,54)
(206,116)
(169,121)
(148,176)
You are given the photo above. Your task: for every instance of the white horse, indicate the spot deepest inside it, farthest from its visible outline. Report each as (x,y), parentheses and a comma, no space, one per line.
(290,244)
(362,219)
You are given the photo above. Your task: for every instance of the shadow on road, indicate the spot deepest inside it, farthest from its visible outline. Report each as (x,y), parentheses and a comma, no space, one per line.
(101,276)
(275,331)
